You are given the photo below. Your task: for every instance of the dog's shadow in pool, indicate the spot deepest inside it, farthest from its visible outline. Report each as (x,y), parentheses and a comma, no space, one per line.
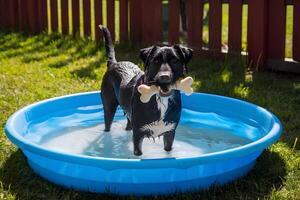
(268,174)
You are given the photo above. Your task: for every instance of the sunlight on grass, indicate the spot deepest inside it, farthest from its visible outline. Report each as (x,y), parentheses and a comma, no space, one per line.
(226,75)
(297,86)
(241,91)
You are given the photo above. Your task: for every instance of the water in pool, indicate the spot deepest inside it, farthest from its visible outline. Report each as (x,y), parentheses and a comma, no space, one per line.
(80,131)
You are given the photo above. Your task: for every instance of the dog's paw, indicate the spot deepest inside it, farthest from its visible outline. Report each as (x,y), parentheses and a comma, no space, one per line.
(138,152)
(128,128)
(168,148)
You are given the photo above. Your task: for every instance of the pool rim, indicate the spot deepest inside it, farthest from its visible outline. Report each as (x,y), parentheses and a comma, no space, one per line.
(273,135)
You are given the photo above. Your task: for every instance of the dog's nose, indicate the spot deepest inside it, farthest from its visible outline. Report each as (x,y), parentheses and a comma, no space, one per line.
(164,77)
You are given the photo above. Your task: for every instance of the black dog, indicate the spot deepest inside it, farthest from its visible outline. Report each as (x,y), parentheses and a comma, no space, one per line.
(160,116)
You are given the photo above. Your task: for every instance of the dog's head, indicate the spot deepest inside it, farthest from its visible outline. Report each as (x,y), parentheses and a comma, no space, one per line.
(165,65)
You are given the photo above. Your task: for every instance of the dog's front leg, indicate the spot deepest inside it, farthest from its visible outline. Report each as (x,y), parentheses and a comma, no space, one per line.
(138,138)
(128,125)
(168,140)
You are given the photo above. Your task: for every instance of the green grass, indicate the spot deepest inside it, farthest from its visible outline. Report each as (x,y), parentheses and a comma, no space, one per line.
(43,66)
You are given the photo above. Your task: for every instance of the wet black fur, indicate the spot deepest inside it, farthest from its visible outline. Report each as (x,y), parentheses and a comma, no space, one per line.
(120,82)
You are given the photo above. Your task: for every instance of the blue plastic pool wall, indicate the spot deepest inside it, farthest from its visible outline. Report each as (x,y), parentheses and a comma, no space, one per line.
(156,181)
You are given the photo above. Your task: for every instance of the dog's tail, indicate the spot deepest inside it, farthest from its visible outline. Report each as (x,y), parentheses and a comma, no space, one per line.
(110,51)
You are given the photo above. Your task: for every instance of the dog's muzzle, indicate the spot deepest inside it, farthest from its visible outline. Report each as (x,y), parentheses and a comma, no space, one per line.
(164,78)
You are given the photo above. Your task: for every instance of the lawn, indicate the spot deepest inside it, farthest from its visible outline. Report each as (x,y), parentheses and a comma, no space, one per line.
(44,66)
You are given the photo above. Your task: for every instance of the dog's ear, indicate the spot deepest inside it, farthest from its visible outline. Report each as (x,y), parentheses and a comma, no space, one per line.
(146,52)
(184,52)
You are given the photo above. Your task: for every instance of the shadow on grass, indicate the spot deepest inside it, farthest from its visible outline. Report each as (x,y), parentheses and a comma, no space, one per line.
(89,70)
(40,47)
(267,174)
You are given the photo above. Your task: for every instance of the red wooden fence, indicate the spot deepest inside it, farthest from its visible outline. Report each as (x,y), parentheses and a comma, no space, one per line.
(141,21)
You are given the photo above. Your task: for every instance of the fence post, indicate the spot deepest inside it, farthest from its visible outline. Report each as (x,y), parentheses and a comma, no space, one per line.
(123,20)
(296,33)
(194,23)
(257,32)
(65,17)
(235,26)
(174,21)
(276,29)
(98,18)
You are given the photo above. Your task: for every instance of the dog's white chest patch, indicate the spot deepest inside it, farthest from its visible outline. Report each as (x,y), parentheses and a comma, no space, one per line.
(159,127)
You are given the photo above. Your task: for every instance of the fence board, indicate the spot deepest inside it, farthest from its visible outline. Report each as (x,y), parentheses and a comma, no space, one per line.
(111,17)
(276,29)
(235,25)
(23,15)
(296,33)
(158,20)
(257,31)
(215,24)
(87,17)
(98,19)
(75,16)
(65,17)
(151,21)
(42,15)
(12,11)
(4,13)
(54,17)
(32,16)
(147,33)
(136,21)
(123,20)
(2,19)
(194,22)
(174,21)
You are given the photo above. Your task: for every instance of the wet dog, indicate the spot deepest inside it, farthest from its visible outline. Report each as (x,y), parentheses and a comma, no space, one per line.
(164,65)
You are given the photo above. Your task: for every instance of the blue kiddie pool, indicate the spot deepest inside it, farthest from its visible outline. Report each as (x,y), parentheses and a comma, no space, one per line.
(217,141)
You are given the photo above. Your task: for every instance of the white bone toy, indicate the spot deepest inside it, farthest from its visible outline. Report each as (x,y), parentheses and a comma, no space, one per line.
(184,85)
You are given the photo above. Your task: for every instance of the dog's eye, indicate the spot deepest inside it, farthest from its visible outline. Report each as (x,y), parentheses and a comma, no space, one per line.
(156,60)
(173,61)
